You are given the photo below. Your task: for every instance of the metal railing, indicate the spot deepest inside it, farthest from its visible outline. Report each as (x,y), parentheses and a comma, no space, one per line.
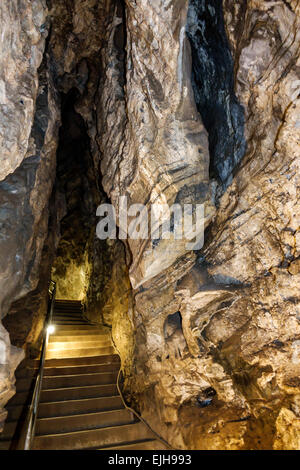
(28,430)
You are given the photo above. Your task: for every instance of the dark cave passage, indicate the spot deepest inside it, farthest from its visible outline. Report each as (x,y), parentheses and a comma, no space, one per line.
(76,183)
(85,268)
(213,84)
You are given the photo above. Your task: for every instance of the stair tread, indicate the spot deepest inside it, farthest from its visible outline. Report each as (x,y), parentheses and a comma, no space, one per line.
(81,405)
(81,369)
(81,344)
(79,399)
(87,386)
(106,436)
(82,352)
(73,327)
(73,416)
(75,401)
(83,421)
(64,381)
(147,444)
(69,393)
(125,426)
(77,388)
(73,338)
(100,359)
(88,375)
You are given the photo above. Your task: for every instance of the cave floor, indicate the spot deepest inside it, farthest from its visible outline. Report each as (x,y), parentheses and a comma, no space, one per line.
(80,407)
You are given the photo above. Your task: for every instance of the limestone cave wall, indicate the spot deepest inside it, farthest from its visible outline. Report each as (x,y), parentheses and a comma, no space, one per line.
(178,101)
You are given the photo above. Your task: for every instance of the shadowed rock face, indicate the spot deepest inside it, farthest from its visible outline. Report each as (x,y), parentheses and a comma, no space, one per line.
(213,85)
(174,101)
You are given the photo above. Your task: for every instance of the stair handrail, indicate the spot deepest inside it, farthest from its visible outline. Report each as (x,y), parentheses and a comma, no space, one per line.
(28,430)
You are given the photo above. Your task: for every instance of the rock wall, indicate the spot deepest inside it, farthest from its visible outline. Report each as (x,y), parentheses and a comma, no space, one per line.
(23,33)
(28,130)
(217,334)
(160,153)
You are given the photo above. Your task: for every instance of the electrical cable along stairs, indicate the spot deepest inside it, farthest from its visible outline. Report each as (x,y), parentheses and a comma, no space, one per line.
(79,407)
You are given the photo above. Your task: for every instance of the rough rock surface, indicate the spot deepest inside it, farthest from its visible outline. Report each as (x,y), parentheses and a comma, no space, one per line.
(23,32)
(10,357)
(161,152)
(225,374)
(29,125)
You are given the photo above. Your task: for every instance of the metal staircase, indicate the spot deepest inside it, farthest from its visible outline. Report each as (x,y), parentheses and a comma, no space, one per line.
(79,404)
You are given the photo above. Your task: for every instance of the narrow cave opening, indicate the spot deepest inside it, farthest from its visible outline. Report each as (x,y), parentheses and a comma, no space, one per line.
(76,183)
(85,268)
(213,85)
(175,343)
(172,324)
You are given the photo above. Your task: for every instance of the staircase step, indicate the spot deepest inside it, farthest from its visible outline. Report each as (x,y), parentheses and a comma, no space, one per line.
(88,336)
(71,318)
(139,445)
(83,352)
(85,405)
(80,361)
(68,317)
(73,327)
(68,310)
(66,307)
(81,344)
(76,393)
(79,332)
(69,322)
(64,381)
(93,437)
(64,424)
(68,313)
(71,308)
(84,369)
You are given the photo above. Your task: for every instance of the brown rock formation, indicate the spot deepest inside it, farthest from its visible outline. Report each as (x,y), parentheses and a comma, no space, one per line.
(242,343)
